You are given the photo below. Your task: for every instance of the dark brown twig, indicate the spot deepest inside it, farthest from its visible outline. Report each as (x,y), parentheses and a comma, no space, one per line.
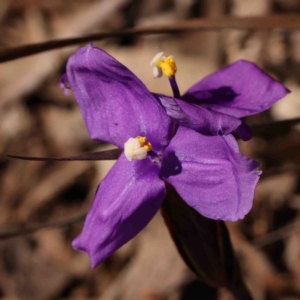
(282,169)
(94,156)
(32,228)
(114,154)
(276,235)
(287,22)
(276,126)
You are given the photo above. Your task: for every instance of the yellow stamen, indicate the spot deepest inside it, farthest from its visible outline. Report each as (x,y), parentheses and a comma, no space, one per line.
(148,147)
(168,66)
(143,143)
(142,140)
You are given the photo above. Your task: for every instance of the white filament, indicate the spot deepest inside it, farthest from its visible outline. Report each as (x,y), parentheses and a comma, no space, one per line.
(157,72)
(133,150)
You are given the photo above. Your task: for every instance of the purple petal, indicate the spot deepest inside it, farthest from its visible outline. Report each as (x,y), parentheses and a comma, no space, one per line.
(172,108)
(240,89)
(126,200)
(64,84)
(199,118)
(244,132)
(114,103)
(213,177)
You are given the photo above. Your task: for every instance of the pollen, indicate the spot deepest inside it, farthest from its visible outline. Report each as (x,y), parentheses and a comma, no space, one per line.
(163,65)
(142,140)
(137,148)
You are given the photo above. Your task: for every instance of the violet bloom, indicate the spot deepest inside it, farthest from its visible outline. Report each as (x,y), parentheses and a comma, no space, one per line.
(208,172)
(216,104)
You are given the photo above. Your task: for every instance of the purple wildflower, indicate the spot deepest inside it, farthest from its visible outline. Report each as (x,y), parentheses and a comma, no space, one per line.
(216,104)
(208,172)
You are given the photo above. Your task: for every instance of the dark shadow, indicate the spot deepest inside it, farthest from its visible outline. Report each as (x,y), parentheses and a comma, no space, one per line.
(171,165)
(223,94)
(195,290)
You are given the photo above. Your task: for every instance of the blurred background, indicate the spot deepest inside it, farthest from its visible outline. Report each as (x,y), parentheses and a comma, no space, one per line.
(36,119)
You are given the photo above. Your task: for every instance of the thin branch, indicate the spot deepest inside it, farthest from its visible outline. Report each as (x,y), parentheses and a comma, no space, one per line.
(276,235)
(277,126)
(286,21)
(32,228)
(94,156)
(114,153)
(281,169)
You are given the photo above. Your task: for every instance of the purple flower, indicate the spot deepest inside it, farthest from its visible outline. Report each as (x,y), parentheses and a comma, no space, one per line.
(208,172)
(216,104)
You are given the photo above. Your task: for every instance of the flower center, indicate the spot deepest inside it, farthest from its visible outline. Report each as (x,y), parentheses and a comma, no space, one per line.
(137,148)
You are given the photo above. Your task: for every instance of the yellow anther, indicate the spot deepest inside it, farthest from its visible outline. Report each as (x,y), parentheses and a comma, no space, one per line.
(148,147)
(163,65)
(143,143)
(168,66)
(142,140)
